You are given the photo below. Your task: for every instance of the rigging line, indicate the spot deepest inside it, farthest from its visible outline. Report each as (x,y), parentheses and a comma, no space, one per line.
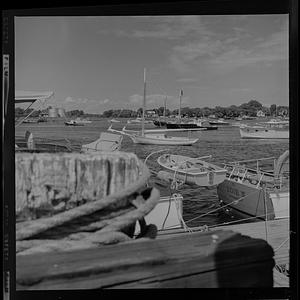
(266,212)
(154,153)
(236,221)
(219,208)
(281,244)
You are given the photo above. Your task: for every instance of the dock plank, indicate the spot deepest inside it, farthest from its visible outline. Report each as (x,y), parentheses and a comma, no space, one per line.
(218,259)
(275,232)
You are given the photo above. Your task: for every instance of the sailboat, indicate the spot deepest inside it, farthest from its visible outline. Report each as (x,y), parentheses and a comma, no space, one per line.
(159,122)
(154,137)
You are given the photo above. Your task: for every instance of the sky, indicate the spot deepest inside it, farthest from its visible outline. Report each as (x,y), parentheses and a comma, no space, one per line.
(97,63)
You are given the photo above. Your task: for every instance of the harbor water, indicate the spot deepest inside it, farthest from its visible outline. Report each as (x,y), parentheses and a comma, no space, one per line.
(200,205)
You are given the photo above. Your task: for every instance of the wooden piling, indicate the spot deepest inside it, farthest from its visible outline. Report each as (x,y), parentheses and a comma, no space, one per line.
(50,183)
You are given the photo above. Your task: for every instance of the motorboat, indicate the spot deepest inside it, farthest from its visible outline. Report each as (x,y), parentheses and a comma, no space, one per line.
(273,129)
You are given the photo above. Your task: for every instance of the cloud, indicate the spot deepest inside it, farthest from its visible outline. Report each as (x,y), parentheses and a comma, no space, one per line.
(162,27)
(187,80)
(85,104)
(229,53)
(69,99)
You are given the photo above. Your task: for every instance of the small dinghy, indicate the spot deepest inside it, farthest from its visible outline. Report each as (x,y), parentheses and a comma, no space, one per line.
(107,142)
(191,170)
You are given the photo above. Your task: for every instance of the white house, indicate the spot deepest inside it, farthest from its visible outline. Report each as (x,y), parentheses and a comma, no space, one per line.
(260,114)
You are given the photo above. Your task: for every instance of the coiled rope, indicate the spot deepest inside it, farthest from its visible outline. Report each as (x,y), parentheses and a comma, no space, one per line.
(31,228)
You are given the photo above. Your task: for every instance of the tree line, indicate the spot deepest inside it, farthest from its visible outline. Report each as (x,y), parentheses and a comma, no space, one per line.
(246,109)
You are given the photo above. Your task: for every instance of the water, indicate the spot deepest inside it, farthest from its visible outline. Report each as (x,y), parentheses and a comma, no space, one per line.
(223,144)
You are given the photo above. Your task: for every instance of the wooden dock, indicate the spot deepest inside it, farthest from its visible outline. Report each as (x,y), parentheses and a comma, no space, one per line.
(275,232)
(203,260)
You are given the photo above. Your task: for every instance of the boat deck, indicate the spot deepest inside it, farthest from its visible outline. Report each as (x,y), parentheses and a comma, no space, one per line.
(275,232)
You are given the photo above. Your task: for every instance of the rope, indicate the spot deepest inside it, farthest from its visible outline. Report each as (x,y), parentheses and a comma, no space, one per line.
(281,244)
(179,215)
(222,207)
(236,221)
(110,234)
(40,225)
(166,217)
(266,213)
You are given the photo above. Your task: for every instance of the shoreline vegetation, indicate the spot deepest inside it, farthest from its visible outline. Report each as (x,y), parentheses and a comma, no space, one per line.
(251,109)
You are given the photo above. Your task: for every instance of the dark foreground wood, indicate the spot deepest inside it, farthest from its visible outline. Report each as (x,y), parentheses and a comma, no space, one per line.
(202,260)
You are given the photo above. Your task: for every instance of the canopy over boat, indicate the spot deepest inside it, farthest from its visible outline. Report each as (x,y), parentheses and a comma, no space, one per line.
(27,96)
(30,97)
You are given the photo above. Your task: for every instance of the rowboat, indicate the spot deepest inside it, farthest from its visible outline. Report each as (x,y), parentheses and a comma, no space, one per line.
(107,142)
(251,192)
(192,170)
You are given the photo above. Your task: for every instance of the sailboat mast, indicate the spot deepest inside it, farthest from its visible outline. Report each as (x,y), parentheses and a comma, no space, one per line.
(165,108)
(179,112)
(144,104)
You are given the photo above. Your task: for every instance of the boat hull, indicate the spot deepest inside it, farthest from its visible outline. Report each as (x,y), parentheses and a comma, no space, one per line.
(205,179)
(189,126)
(166,214)
(247,200)
(261,133)
(73,124)
(159,140)
(204,174)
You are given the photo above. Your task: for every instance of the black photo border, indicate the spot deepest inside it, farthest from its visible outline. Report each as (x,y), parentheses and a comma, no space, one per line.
(123,8)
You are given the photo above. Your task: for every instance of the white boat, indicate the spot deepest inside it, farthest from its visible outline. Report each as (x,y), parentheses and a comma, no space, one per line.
(73,123)
(162,139)
(255,193)
(167,214)
(107,142)
(192,170)
(82,121)
(273,129)
(114,121)
(155,137)
(220,121)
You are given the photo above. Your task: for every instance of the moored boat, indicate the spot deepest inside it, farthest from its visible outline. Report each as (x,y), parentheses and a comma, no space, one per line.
(220,121)
(161,139)
(201,124)
(273,129)
(107,142)
(73,123)
(156,137)
(255,193)
(192,170)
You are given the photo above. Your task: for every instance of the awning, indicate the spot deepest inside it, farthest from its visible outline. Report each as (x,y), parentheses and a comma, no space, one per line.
(26,96)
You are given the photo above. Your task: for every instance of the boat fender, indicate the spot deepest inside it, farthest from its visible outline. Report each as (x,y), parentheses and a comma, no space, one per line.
(211,176)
